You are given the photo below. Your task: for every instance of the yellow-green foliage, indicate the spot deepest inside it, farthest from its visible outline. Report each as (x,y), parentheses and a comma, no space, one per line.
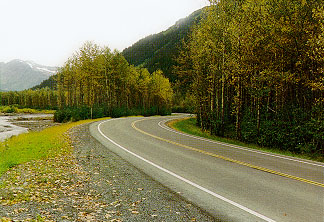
(95,76)
(8,109)
(14,109)
(32,111)
(36,145)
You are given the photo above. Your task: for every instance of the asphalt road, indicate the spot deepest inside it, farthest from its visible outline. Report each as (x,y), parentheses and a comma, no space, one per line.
(230,182)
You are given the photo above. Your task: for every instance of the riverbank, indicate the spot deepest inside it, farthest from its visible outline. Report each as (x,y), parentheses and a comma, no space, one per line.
(18,123)
(33,146)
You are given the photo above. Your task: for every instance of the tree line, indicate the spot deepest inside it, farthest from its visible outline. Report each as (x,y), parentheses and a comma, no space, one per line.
(97,78)
(255,71)
(44,98)
(96,82)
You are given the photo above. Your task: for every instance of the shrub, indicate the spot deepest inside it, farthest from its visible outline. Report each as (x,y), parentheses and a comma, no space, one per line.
(9,109)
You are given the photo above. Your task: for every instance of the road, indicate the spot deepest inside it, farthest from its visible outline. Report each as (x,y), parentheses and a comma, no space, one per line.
(232,183)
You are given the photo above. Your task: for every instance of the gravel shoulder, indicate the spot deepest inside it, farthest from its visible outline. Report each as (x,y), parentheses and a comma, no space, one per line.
(92,184)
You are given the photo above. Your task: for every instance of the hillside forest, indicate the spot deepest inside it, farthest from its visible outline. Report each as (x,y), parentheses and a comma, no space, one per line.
(250,70)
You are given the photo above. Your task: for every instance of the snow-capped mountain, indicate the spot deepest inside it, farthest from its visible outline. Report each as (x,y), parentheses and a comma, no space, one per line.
(19,75)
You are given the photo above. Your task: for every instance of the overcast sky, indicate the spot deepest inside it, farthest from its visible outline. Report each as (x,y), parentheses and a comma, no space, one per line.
(49,31)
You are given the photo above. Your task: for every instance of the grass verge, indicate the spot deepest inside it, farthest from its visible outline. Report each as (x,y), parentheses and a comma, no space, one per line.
(36,145)
(188,125)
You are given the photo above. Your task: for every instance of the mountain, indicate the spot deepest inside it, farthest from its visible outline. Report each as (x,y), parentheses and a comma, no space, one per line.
(159,51)
(19,75)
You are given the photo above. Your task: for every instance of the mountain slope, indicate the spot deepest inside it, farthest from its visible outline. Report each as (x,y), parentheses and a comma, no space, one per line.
(19,75)
(159,51)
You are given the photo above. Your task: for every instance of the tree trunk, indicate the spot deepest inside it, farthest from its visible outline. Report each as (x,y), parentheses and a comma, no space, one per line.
(258,116)
(239,110)
(223,106)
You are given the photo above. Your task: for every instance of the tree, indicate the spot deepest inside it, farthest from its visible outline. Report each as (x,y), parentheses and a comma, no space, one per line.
(97,78)
(258,66)
(160,91)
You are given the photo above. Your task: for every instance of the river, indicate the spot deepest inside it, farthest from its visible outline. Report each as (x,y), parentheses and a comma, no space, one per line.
(9,129)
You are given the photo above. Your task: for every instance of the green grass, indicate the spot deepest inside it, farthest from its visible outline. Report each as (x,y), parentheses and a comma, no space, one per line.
(189,126)
(36,145)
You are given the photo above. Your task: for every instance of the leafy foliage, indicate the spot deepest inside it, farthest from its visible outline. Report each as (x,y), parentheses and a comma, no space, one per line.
(96,82)
(257,67)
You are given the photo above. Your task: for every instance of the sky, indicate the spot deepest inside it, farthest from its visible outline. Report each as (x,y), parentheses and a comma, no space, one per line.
(48,32)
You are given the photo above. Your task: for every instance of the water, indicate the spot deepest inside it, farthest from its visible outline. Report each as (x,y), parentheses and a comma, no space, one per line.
(8,129)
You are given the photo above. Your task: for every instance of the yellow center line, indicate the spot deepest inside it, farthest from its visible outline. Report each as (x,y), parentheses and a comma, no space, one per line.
(229,159)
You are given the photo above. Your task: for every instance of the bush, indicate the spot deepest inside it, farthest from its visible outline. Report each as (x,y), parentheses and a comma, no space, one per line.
(298,133)
(179,109)
(73,114)
(119,112)
(9,109)
(61,116)
(28,110)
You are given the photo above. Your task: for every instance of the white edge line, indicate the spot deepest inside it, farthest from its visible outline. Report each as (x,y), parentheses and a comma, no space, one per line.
(233,146)
(186,180)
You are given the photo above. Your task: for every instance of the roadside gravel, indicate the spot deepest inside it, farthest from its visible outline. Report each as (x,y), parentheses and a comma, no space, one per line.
(94,184)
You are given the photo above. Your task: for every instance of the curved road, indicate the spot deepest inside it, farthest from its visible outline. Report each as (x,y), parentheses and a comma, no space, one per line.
(232,183)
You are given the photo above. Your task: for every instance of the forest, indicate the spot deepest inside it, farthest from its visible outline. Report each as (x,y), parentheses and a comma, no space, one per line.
(97,82)
(254,70)
(250,70)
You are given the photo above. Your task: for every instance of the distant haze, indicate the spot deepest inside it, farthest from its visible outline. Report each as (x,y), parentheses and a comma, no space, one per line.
(48,32)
